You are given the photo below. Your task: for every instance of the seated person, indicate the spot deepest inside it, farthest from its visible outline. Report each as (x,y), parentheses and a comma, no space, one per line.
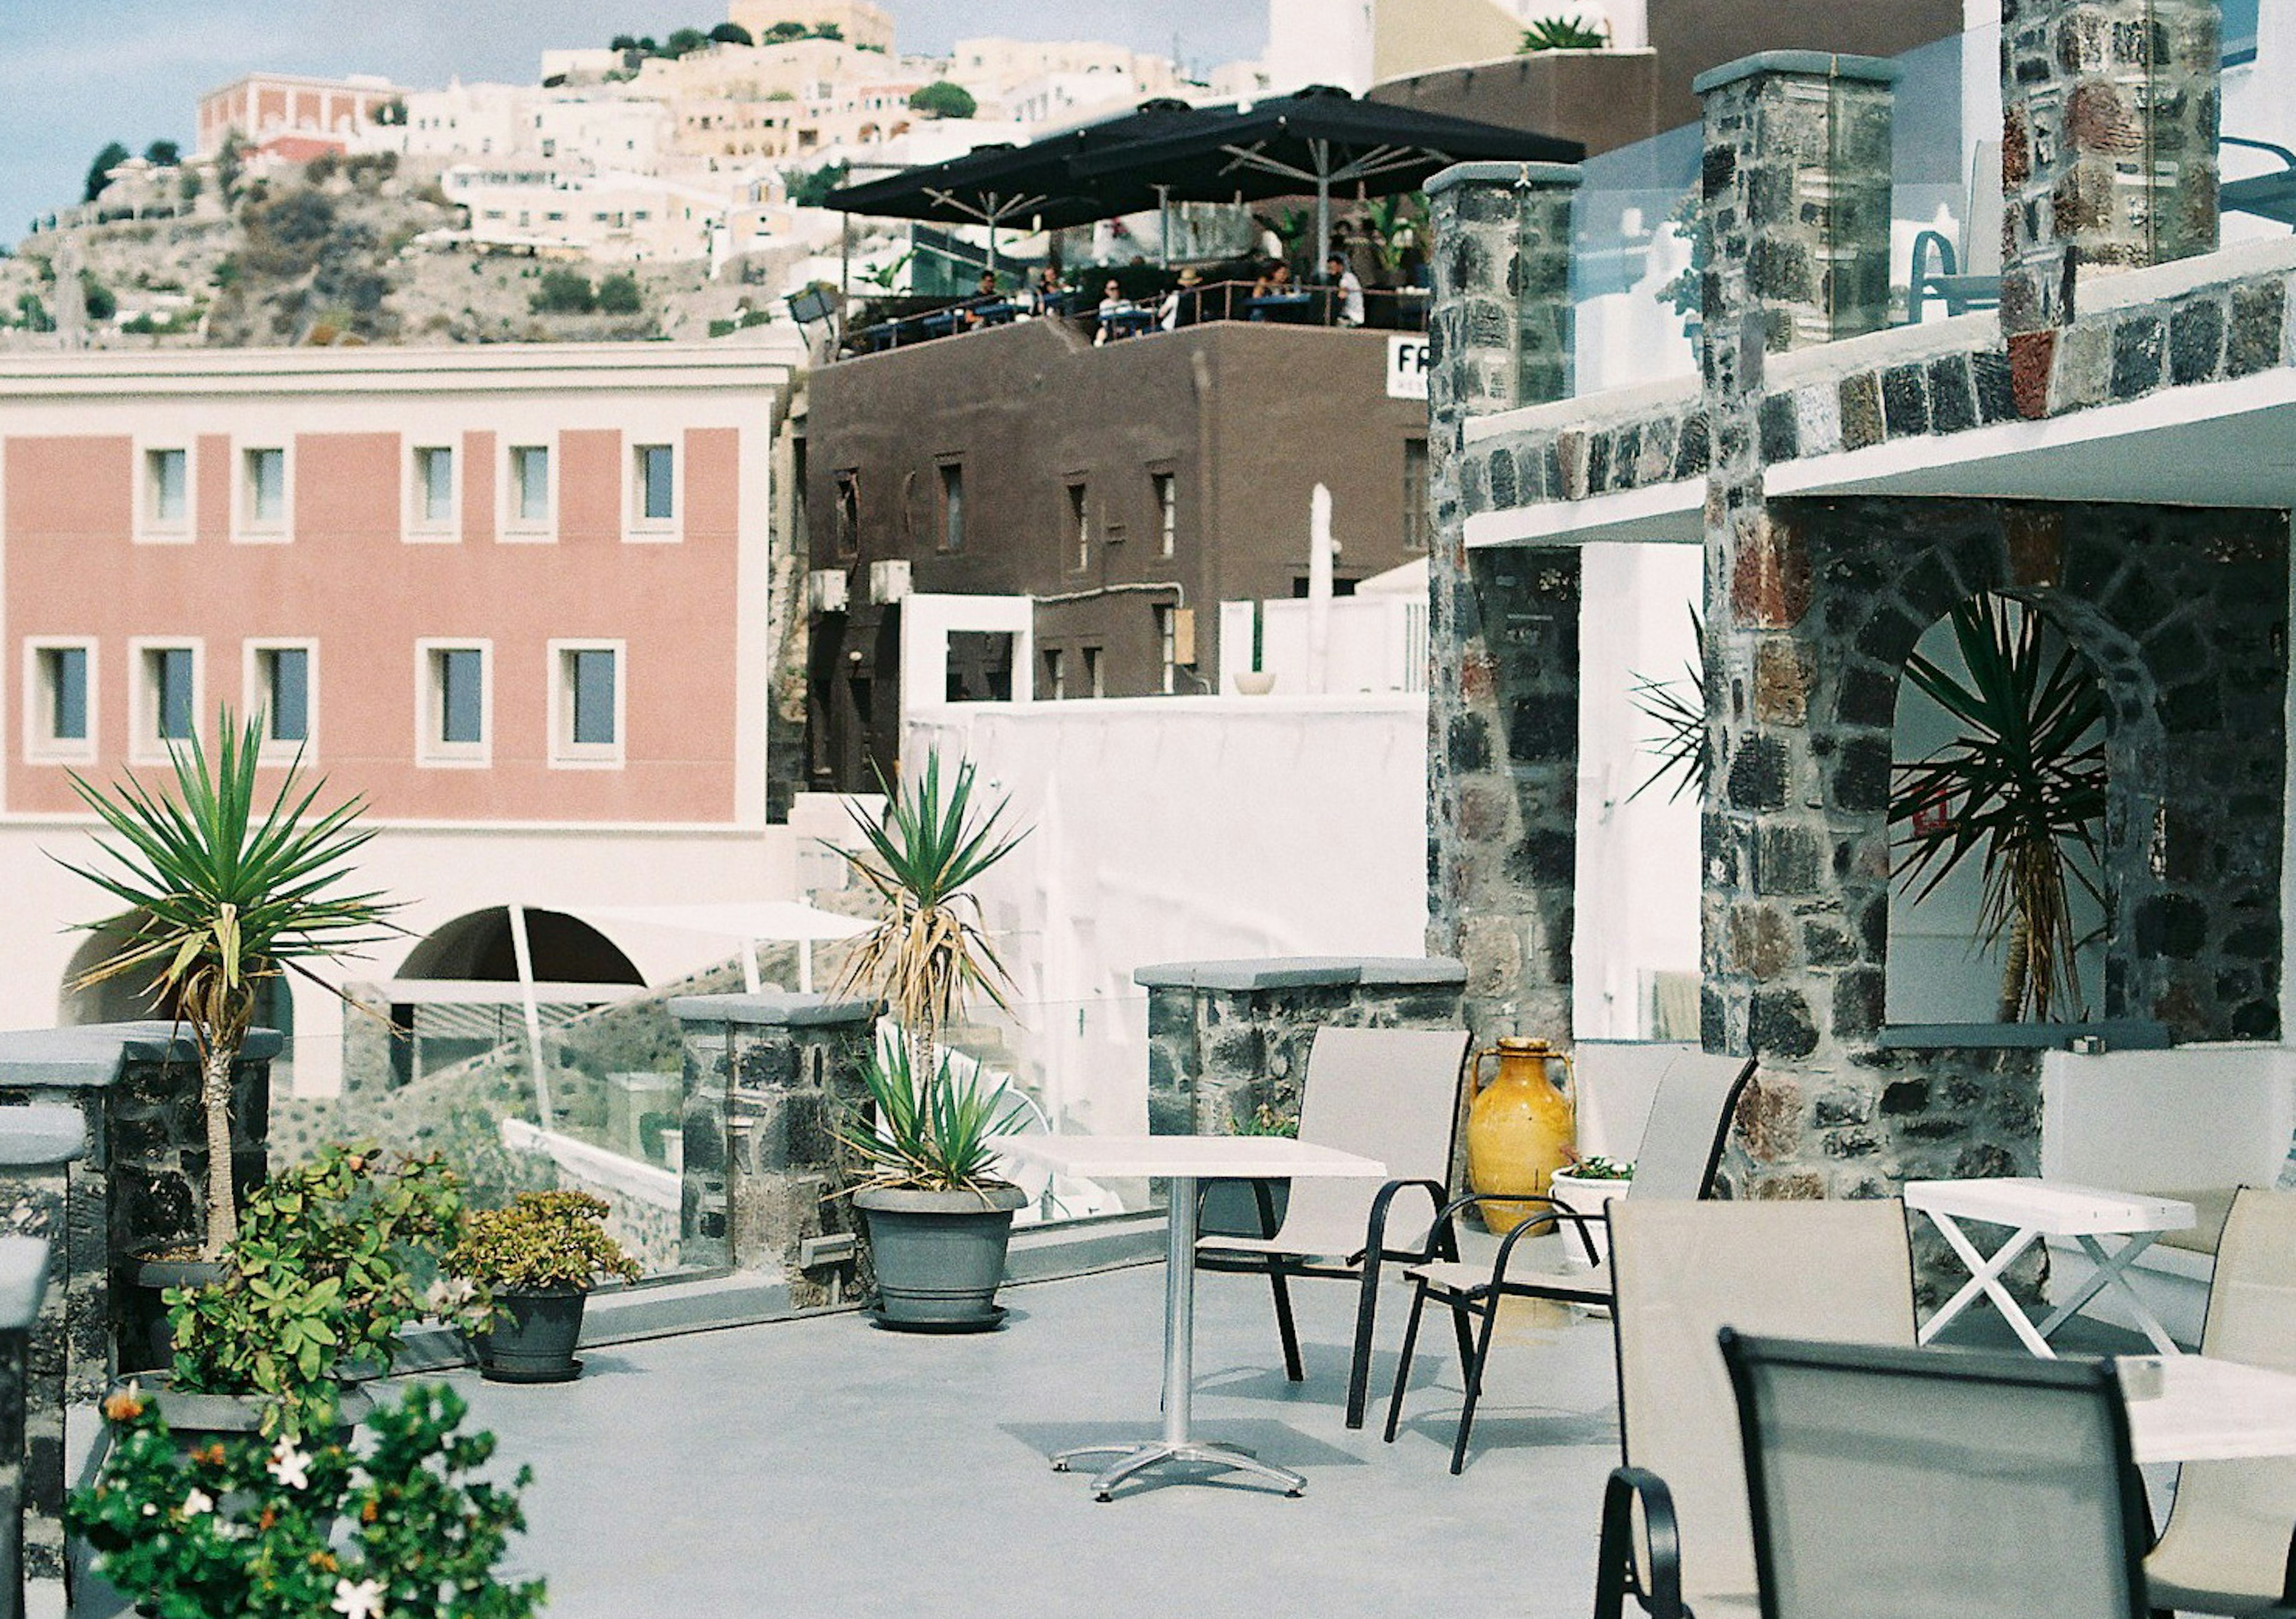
(1274,282)
(1183,304)
(983,294)
(1112,303)
(1349,287)
(1048,291)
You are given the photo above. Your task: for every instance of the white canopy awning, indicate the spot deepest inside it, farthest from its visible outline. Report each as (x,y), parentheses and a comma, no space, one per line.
(748,921)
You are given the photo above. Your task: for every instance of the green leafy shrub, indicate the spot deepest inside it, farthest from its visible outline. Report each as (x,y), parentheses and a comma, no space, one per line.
(564,292)
(1561,34)
(543,1240)
(618,294)
(256,1529)
(323,1271)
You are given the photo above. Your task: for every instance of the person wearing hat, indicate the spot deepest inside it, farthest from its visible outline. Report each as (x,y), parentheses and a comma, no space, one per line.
(1181,304)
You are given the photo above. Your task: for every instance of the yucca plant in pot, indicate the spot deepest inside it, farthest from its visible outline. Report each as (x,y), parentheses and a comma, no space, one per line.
(938,1219)
(225,888)
(537,1261)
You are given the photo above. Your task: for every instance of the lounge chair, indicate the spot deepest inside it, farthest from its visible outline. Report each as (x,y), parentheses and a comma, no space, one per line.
(1681,1147)
(1924,1483)
(2230,1546)
(1389,1094)
(1841,1272)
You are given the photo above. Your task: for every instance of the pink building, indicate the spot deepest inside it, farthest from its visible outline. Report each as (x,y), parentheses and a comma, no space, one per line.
(300,116)
(518,599)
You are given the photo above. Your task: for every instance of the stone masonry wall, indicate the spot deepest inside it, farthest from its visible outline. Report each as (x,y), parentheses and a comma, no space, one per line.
(1503,693)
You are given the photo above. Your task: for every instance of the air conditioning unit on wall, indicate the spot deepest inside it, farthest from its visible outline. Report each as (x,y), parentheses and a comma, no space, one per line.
(825,590)
(889,582)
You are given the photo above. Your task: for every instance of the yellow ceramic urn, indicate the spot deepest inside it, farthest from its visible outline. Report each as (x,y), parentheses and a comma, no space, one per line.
(1520,1130)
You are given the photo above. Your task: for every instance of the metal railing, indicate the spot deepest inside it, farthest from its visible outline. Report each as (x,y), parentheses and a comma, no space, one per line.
(1140,307)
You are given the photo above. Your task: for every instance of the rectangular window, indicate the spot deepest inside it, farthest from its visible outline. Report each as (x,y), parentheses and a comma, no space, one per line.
(586,702)
(1093,678)
(1056,675)
(654,475)
(1168,511)
(1167,648)
(530,486)
(454,713)
(1414,493)
(263,489)
(433,494)
(166,697)
(60,701)
(167,488)
(1080,523)
(951,506)
(282,692)
(849,513)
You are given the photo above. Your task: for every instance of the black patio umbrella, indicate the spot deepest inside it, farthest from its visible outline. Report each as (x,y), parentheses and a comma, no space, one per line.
(1315,141)
(1036,184)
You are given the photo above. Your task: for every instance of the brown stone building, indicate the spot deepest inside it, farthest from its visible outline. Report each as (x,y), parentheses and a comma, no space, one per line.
(1126,488)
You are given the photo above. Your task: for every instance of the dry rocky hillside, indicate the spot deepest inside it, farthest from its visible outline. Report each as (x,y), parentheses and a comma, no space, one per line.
(330,255)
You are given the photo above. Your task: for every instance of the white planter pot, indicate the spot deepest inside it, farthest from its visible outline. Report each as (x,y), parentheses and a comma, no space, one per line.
(1592,1198)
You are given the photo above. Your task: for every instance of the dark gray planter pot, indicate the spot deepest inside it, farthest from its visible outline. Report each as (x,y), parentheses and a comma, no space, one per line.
(147,1341)
(939,1256)
(533,1337)
(197,1419)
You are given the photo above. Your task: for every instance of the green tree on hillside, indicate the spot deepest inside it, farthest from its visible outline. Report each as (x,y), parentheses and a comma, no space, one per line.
(731,32)
(685,42)
(564,292)
(942,99)
(111,158)
(829,30)
(618,294)
(811,189)
(781,33)
(163,154)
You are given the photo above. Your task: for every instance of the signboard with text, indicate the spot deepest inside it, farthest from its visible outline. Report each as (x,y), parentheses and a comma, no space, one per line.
(1407,359)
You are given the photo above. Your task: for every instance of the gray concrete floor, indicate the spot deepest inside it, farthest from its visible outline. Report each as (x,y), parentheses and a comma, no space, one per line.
(826,1469)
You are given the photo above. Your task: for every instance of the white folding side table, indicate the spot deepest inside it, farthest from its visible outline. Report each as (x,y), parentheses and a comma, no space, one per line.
(1186,1159)
(2034,1208)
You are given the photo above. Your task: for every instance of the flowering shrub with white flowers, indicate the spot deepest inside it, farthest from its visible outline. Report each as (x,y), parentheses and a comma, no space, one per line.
(275,1528)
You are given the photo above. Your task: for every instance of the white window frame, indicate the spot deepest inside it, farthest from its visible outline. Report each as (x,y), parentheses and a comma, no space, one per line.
(513,529)
(414,528)
(1164,486)
(565,752)
(636,526)
(42,746)
(245,529)
(145,745)
(151,529)
(256,696)
(431,751)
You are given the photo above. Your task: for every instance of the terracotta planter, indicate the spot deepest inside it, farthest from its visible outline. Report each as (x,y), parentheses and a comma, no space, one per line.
(534,1336)
(939,1256)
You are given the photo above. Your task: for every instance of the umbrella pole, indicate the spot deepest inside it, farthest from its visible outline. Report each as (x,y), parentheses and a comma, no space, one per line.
(844,264)
(1323,220)
(750,980)
(805,966)
(1164,227)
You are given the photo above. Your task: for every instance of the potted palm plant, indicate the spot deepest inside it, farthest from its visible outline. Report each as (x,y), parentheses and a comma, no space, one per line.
(538,1260)
(2022,788)
(224,892)
(938,1219)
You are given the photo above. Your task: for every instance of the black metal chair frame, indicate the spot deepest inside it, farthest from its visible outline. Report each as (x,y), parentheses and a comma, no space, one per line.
(1483,1301)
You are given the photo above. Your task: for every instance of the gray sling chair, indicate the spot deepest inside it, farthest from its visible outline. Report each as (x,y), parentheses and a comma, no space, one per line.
(1921,1483)
(1681,1144)
(2230,1546)
(1676,1534)
(1389,1094)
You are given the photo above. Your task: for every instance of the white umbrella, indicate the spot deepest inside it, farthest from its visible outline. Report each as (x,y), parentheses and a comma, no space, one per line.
(748,921)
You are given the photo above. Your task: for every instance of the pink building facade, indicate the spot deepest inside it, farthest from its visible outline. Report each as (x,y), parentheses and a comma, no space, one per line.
(520,599)
(266,107)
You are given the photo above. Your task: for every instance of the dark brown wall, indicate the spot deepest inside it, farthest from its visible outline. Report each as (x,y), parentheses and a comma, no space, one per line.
(1247,418)
(1612,101)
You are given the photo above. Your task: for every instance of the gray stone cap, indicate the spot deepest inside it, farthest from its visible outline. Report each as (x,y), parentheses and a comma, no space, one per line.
(41,1135)
(772,1010)
(2118,1033)
(92,1054)
(1813,64)
(23,1281)
(1303,972)
(1501,174)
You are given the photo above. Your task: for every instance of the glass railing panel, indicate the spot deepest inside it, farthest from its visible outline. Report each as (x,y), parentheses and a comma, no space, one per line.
(1944,232)
(1634,283)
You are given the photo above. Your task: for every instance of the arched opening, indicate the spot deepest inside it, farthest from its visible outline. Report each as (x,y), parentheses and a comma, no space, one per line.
(129,999)
(2000,892)
(478,946)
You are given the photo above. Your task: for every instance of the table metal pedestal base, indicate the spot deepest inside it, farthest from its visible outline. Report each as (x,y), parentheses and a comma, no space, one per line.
(1154,1452)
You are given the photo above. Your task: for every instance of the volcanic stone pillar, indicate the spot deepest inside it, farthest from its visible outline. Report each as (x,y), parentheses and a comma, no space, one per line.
(1503,691)
(1796,188)
(2108,156)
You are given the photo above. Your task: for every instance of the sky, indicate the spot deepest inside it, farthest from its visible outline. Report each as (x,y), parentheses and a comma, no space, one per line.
(75,74)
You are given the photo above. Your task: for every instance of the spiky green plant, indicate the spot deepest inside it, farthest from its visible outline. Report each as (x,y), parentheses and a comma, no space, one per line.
(1679,708)
(223,893)
(937,1137)
(1561,34)
(929,954)
(2022,788)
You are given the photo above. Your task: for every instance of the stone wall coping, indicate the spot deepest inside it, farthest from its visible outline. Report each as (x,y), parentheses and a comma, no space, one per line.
(23,1281)
(1923,339)
(2119,1034)
(91,1055)
(1816,64)
(2101,289)
(1301,972)
(1591,413)
(770,1010)
(1501,174)
(40,1136)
